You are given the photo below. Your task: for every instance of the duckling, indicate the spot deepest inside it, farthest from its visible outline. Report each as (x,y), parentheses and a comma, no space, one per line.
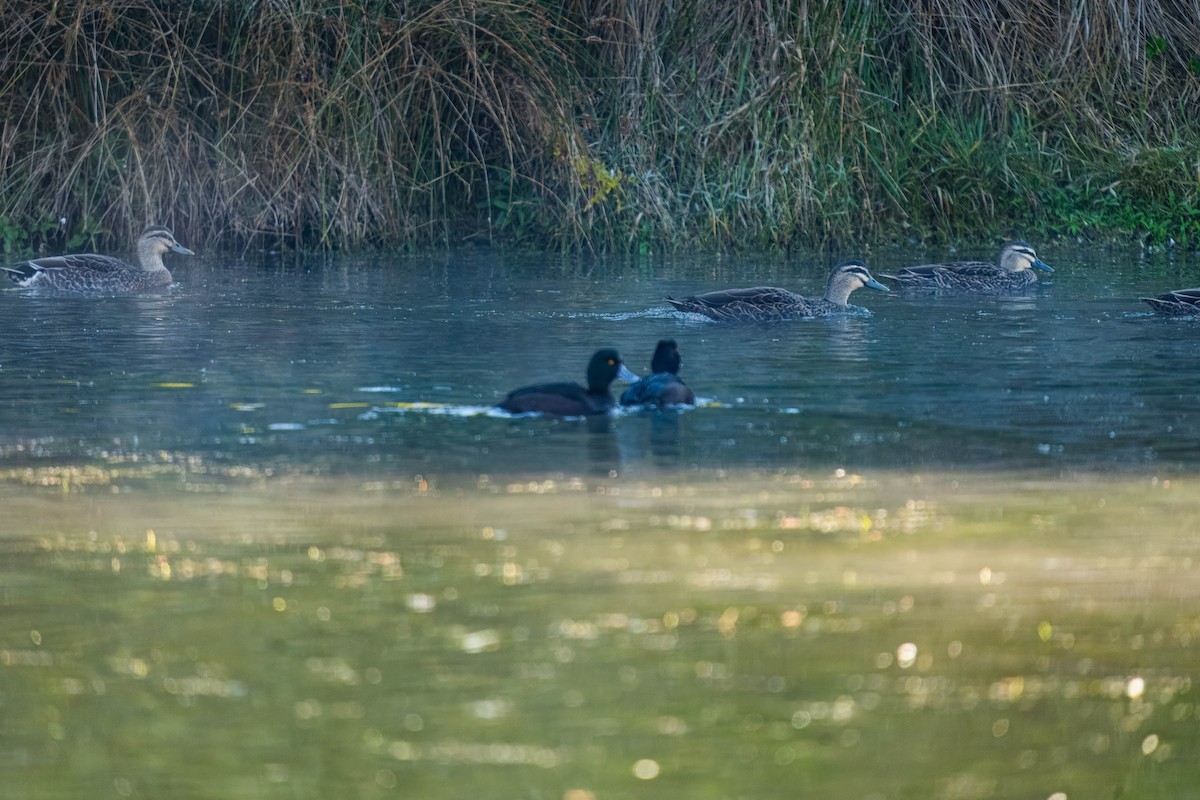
(1181,302)
(89,273)
(764,303)
(570,399)
(1012,272)
(664,387)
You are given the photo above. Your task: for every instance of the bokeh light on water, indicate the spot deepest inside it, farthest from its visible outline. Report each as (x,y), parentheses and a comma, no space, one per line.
(841,635)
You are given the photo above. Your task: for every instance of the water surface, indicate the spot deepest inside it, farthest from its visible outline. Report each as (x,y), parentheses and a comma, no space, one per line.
(261,537)
(306,365)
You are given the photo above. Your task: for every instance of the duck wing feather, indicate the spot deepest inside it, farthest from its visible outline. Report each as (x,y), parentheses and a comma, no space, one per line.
(661,387)
(749,304)
(964,275)
(1180,301)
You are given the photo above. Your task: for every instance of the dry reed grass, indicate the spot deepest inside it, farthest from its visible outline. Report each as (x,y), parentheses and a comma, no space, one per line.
(602,124)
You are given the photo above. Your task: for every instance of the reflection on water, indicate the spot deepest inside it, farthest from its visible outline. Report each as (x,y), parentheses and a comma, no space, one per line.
(265,536)
(835,635)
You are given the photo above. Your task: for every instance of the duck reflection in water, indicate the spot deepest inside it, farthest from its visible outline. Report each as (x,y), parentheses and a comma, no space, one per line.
(665,394)
(568,399)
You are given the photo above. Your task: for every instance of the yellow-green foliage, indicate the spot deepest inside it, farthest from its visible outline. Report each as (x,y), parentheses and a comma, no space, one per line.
(760,123)
(599,184)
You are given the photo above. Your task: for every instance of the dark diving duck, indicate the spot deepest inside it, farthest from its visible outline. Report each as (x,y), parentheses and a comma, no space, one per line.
(567,399)
(664,387)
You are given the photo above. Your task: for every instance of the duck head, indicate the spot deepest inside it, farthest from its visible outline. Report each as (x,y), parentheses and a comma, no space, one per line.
(666,357)
(846,278)
(1017,256)
(604,368)
(155,241)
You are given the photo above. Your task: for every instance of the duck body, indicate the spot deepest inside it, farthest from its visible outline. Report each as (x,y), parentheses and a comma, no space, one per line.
(93,274)
(769,303)
(562,399)
(664,387)
(1179,303)
(567,399)
(659,389)
(1013,272)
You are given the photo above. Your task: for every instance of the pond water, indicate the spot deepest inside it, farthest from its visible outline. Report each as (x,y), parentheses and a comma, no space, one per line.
(262,537)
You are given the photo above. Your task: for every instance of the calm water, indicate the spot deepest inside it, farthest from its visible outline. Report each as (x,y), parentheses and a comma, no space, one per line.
(261,538)
(249,365)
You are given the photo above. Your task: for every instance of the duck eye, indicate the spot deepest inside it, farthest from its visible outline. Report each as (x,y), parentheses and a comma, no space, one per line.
(611,362)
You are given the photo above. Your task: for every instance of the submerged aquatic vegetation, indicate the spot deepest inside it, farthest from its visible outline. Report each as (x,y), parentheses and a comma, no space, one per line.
(597,125)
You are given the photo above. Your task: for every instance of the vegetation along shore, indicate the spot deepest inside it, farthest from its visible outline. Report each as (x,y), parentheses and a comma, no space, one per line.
(601,125)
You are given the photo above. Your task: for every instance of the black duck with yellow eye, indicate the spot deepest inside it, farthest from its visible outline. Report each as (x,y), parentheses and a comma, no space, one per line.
(566,399)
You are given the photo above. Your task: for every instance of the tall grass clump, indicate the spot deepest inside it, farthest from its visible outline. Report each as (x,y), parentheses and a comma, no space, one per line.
(322,123)
(766,123)
(597,124)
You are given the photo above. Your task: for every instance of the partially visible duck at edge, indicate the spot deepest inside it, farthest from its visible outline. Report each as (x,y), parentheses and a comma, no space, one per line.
(766,303)
(1013,271)
(664,387)
(89,273)
(1179,303)
(567,399)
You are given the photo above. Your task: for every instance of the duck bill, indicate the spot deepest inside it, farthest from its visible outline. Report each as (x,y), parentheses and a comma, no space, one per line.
(626,375)
(178,248)
(1037,262)
(874,284)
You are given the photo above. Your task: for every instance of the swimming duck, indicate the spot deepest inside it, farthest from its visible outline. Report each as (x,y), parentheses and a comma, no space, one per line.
(763,303)
(1013,271)
(570,399)
(1181,302)
(88,273)
(664,387)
